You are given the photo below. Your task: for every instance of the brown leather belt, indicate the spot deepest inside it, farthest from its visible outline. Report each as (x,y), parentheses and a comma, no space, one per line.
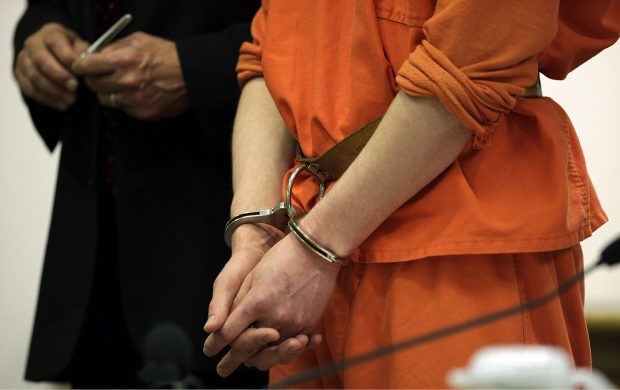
(337,159)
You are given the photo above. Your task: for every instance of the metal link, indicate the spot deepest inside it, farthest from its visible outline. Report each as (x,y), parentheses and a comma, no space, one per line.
(318,249)
(276,217)
(320,176)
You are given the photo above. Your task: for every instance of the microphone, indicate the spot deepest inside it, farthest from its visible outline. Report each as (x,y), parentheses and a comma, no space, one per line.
(168,359)
(609,256)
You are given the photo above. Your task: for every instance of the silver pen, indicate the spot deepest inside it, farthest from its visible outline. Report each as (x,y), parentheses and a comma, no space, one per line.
(107,36)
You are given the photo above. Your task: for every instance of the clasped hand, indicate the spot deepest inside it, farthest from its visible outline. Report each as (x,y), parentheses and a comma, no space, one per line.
(139,74)
(266,302)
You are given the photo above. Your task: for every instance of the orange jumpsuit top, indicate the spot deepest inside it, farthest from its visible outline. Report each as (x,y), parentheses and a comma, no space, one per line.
(521,185)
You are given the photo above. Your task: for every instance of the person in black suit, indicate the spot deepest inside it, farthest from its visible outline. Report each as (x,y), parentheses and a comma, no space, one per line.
(143,183)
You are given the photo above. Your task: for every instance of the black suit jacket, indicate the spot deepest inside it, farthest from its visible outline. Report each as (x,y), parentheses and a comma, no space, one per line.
(173,180)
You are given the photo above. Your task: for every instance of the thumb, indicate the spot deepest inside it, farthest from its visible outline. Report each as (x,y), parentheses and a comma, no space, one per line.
(225,289)
(80,46)
(219,307)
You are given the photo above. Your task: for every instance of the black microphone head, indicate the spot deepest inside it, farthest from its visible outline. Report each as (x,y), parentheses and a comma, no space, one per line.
(167,355)
(611,254)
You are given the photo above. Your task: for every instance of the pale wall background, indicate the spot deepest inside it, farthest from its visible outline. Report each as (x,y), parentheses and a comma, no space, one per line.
(28,172)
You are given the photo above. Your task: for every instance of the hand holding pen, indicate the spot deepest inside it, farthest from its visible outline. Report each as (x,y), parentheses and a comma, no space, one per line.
(139,74)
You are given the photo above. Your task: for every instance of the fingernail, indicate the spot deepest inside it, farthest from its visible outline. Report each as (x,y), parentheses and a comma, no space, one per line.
(71,85)
(210,320)
(222,371)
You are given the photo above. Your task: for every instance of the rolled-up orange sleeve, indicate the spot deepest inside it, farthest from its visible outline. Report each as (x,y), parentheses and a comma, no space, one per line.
(585,28)
(478,56)
(251,53)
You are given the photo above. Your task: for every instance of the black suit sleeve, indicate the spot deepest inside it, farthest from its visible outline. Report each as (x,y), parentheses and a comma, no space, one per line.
(208,63)
(47,121)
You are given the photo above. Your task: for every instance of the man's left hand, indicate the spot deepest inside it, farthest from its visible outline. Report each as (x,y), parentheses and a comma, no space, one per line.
(139,74)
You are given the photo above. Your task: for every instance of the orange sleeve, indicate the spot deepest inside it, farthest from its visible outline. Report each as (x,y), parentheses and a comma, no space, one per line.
(478,56)
(250,55)
(585,28)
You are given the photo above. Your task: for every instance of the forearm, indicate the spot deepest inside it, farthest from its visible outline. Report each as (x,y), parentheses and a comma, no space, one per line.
(263,150)
(416,141)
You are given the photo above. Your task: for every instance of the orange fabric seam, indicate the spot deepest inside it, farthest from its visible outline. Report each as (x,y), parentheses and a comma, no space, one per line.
(461,248)
(522,298)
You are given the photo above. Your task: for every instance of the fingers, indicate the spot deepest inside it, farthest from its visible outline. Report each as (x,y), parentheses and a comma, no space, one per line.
(40,67)
(243,291)
(107,61)
(233,281)
(315,340)
(283,353)
(118,80)
(104,84)
(94,64)
(114,71)
(241,318)
(38,87)
(60,43)
(247,350)
(49,68)
(79,46)
(245,346)
(226,287)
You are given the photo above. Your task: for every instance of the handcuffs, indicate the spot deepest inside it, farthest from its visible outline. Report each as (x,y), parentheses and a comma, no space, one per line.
(282,216)
(328,166)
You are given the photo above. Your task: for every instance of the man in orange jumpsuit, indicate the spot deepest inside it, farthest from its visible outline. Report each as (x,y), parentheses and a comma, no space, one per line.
(468,198)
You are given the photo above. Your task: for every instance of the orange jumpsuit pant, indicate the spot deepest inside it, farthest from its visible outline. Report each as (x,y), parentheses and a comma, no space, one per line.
(375,305)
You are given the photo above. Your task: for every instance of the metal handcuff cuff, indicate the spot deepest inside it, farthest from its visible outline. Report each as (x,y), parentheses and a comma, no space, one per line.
(328,166)
(278,215)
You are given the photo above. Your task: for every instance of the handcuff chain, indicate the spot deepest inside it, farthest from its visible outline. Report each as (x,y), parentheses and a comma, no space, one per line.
(275,214)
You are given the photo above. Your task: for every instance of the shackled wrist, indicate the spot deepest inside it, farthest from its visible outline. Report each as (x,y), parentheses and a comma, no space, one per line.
(318,249)
(255,235)
(278,215)
(274,217)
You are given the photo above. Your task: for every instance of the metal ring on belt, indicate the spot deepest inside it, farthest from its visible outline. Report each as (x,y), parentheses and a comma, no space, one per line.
(319,176)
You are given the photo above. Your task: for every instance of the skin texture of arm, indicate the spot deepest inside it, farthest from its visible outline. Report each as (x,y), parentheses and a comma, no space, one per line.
(263,150)
(289,288)
(415,142)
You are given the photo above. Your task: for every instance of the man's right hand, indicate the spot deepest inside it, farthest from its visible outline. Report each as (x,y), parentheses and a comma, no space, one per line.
(43,66)
(255,346)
